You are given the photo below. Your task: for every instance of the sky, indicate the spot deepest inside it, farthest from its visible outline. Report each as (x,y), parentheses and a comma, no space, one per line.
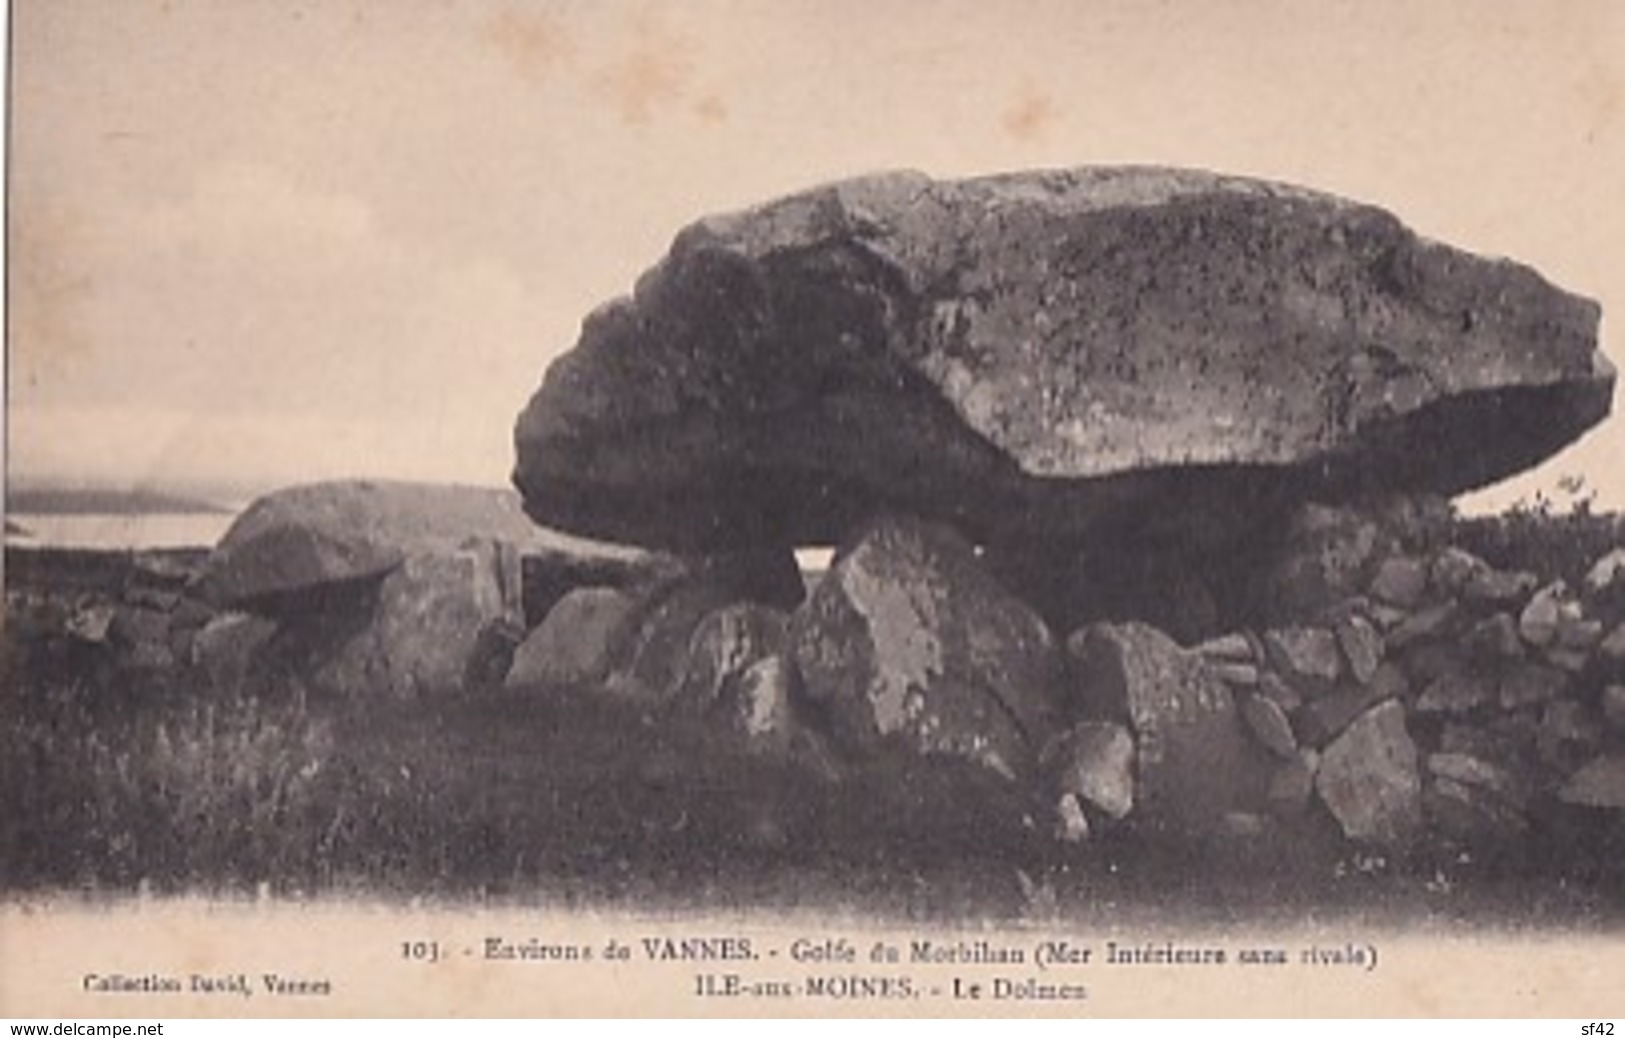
(259,241)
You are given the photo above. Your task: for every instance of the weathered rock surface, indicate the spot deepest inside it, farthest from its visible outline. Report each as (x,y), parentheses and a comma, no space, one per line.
(907,642)
(1056,350)
(1369,779)
(1195,761)
(1094,761)
(726,644)
(290,545)
(1600,783)
(424,632)
(573,646)
(653,663)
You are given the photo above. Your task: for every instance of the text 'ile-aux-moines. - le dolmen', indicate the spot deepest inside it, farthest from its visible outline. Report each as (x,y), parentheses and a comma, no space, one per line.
(1137,481)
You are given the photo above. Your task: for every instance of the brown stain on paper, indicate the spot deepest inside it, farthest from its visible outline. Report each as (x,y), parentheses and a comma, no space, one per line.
(534,44)
(649,77)
(1030,116)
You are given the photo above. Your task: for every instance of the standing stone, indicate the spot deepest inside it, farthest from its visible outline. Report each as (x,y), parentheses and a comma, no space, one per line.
(908,643)
(1195,762)
(573,646)
(727,643)
(758,704)
(422,631)
(1369,780)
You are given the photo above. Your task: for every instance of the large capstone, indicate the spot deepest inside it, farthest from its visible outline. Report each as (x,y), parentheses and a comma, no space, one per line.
(1061,354)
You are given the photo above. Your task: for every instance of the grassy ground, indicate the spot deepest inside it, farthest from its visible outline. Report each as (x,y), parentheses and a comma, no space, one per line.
(568,799)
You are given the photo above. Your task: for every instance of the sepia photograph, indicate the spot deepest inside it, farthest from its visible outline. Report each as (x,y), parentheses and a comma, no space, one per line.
(761,507)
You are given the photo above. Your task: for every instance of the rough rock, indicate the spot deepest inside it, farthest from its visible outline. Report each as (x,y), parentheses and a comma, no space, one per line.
(1326,717)
(1454,568)
(423,633)
(1323,559)
(1071,824)
(1605,573)
(1401,581)
(907,642)
(1074,352)
(225,648)
(1429,622)
(1499,587)
(286,571)
(1525,684)
(1471,813)
(143,637)
(1362,646)
(1279,692)
(1578,633)
(1369,779)
(1613,707)
(726,644)
(1269,725)
(1242,675)
(1474,771)
(1234,647)
(1543,615)
(1094,760)
(760,702)
(92,623)
(652,660)
(1495,636)
(1567,735)
(1195,762)
(1612,648)
(1600,783)
(1307,657)
(1453,692)
(574,646)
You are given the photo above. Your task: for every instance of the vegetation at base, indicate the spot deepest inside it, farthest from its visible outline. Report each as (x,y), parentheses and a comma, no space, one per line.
(1542,536)
(117,780)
